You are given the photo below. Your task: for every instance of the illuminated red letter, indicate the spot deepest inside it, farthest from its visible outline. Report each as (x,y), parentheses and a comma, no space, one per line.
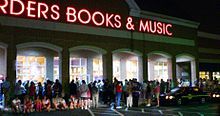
(159,28)
(12,7)
(118,21)
(151,26)
(108,20)
(2,6)
(29,9)
(86,12)
(144,27)
(43,12)
(71,12)
(167,31)
(94,19)
(55,9)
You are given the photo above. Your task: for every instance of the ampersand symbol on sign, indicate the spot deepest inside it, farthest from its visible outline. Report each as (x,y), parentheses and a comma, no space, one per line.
(129,24)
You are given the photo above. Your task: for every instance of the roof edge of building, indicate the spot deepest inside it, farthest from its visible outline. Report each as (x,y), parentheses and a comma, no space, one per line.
(137,12)
(208,35)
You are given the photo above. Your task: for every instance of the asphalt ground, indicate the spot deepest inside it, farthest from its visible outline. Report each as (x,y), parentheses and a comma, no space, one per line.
(209,109)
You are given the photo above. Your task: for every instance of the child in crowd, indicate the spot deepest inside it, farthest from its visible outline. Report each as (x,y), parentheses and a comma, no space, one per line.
(27,104)
(16,105)
(46,104)
(38,104)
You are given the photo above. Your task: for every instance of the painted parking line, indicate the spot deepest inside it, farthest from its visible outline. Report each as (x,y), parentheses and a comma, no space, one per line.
(160,111)
(180,114)
(117,112)
(200,114)
(92,114)
(155,113)
(101,113)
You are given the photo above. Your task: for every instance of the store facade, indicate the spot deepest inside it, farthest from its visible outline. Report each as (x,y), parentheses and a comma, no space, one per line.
(94,42)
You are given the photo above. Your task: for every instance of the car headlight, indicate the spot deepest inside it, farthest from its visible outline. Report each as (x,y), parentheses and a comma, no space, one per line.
(217,95)
(213,95)
(171,97)
(167,97)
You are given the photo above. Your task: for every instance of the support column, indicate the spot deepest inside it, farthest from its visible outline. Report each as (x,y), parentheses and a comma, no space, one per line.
(140,69)
(65,70)
(108,66)
(90,69)
(174,79)
(123,70)
(193,72)
(151,75)
(197,69)
(145,66)
(11,67)
(169,62)
(49,67)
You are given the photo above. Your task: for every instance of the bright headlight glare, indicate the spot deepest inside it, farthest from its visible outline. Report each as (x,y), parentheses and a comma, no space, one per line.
(217,96)
(167,97)
(213,95)
(171,97)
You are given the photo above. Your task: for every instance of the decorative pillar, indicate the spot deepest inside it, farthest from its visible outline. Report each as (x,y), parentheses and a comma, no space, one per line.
(11,66)
(90,69)
(197,70)
(49,67)
(65,69)
(193,73)
(140,69)
(145,66)
(123,70)
(174,79)
(108,66)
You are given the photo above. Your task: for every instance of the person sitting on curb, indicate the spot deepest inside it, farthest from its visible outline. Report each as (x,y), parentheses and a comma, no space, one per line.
(16,105)
(46,104)
(27,104)
(59,103)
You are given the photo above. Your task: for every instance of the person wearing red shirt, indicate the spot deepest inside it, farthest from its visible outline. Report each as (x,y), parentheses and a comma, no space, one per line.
(118,94)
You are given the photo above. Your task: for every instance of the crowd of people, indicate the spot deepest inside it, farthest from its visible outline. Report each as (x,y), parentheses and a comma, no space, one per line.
(30,96)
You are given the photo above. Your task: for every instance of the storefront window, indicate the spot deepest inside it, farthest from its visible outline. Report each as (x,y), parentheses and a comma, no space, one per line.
(132,69)
(216,75)
(204,75)
(116,69)
(56,68)
(78,68)
(31,68)
(97,69)
(161,70)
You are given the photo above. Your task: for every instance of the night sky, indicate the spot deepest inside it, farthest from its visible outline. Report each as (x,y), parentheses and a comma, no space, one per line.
(206,12)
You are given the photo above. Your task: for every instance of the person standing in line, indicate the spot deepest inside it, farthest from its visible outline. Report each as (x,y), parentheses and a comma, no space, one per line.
(95,95)
(83,89)
(157,93)
(148,94)
(129,95)
(5,89)
(118,94)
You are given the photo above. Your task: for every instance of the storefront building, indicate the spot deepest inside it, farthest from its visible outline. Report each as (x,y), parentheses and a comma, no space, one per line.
(209,55)
(42,40)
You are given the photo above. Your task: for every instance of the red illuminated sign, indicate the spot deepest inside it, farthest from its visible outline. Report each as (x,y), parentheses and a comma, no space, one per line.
(40,10)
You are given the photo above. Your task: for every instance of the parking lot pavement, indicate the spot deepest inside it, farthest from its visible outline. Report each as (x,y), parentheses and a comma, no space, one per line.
(187,110)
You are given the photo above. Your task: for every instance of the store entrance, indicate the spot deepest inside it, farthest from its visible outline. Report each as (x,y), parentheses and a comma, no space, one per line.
(37,64)
(186,70)
(86,65)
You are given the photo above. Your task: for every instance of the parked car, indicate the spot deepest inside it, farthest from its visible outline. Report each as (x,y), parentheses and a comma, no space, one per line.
(183,95)
(215,94)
